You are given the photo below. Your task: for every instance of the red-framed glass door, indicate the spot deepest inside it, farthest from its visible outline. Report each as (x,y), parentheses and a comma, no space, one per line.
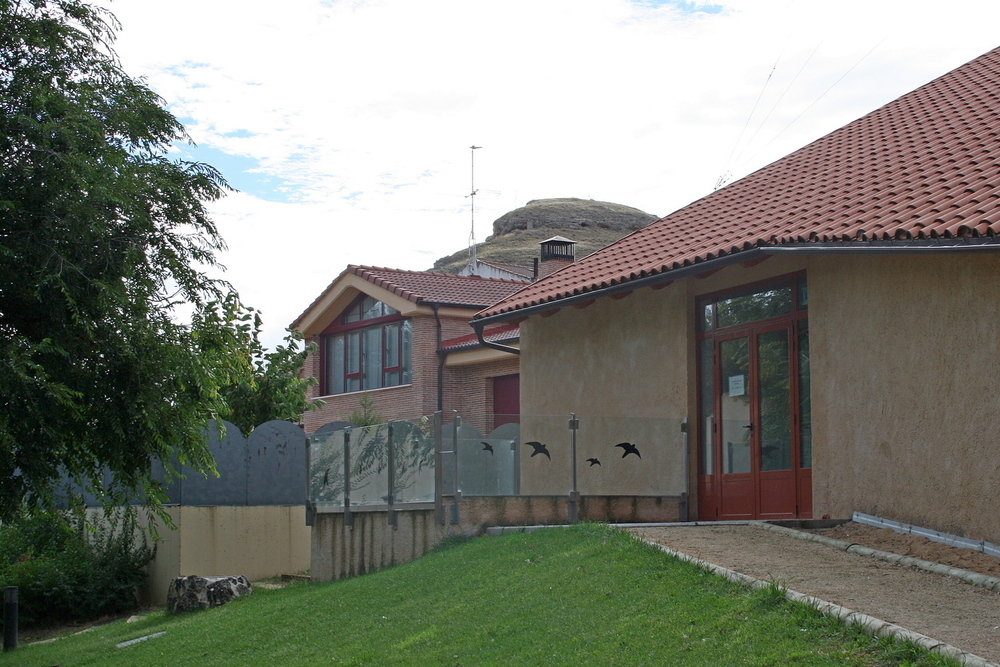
(754,413)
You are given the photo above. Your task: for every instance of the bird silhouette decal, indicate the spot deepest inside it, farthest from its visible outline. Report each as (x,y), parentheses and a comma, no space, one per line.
(487,447)
(629,449)
(593,462)
(538,448)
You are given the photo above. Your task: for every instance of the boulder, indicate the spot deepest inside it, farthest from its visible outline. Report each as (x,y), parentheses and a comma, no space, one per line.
(192,592)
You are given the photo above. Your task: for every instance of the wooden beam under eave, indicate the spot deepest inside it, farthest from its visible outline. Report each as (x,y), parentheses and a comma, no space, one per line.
(706,274)
(550,313)
(620,295)
(584,304)
(662,285)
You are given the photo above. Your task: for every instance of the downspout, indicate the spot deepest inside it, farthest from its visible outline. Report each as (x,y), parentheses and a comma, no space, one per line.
(478,326)
(442,355)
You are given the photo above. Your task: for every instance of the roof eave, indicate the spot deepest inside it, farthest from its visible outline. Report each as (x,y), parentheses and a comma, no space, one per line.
(918,246)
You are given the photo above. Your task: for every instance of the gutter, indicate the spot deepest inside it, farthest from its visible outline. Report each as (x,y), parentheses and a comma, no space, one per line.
(479,325)
(929,246)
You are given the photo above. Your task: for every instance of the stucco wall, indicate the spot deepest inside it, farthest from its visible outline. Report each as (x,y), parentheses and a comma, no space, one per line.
(621,366)
(258,542)
(906,359)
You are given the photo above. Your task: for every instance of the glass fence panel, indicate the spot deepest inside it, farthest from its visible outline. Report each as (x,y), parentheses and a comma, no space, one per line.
(326,473)
(413,451)
(630,456)
(370,465)
(615,456)
(486,464)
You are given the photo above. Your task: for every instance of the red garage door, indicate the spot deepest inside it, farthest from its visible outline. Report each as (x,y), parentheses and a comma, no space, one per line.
(506,400)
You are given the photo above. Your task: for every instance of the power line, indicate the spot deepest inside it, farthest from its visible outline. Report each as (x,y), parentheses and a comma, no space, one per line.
(842,77)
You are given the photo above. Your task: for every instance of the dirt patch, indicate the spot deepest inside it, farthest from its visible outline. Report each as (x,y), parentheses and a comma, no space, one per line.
(938,606)
(887,539)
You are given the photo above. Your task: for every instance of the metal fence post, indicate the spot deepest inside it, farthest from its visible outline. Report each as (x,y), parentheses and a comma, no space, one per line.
(391,462)
(348,517)
(438,469)
(310,507)
(684,514)
(456,422)
(10,610)
(573,509)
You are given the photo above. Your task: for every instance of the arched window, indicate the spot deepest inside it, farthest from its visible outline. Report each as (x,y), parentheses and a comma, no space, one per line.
(368,346)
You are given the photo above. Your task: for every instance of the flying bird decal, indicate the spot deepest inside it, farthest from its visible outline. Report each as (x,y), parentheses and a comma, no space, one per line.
(593,462)
(629,449)
(487,447)
(538,448)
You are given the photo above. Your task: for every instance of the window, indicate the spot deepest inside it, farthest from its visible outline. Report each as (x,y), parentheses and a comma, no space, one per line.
(369,346)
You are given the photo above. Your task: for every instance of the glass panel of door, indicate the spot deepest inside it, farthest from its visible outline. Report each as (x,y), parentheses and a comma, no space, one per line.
(754,439)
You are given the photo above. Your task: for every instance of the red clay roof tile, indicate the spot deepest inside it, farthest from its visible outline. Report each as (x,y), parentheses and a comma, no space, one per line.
(429,287)
(925,166)
(442,288)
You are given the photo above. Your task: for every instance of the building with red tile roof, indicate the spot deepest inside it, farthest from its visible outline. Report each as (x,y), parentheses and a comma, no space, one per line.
(403,339)
(827,330)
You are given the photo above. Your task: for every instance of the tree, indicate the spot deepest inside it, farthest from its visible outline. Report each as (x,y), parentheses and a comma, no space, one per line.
(101,238)
(256,386)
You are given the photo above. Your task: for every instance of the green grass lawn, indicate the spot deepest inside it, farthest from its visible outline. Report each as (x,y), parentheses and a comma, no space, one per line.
(586,595)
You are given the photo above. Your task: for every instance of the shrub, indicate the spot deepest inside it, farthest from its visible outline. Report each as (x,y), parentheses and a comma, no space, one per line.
(67,569)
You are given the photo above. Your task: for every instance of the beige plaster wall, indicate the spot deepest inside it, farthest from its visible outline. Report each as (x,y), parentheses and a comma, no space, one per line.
(257,542)
(621,366)
(905,368)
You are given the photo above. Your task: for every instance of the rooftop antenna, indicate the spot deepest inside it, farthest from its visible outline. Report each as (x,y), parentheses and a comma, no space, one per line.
(473,261)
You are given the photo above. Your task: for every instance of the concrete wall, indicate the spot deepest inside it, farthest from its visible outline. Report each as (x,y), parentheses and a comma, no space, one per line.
(372,544)
(906,362)
(258,542)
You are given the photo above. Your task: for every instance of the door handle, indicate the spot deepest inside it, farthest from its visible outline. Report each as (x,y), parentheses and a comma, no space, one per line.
(749,426)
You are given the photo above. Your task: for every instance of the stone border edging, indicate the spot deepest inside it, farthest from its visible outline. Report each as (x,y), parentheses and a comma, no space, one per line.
(974,578)
(869,624)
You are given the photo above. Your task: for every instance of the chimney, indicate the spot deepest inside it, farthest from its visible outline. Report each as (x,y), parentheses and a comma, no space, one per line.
(557,252)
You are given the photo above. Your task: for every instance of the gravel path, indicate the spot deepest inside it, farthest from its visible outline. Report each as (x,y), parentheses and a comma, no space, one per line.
(941,607)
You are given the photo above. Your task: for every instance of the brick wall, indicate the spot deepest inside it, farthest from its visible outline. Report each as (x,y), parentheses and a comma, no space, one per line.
(469,389)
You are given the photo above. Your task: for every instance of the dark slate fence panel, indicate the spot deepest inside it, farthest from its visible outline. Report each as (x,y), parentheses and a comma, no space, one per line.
(230,487)
(276,464)
(268,468)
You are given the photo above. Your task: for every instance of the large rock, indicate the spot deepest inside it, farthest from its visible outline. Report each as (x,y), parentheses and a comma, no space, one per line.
(186,593)
(572,214)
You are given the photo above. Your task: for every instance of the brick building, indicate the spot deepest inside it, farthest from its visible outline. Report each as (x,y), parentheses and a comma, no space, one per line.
(403,338)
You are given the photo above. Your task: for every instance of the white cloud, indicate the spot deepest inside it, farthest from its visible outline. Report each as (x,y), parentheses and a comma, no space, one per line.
(367,109)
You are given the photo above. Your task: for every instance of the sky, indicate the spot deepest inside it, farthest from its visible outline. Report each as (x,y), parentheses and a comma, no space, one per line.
(346,125)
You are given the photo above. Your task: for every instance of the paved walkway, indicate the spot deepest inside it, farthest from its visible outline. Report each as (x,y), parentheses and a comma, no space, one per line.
(941,607)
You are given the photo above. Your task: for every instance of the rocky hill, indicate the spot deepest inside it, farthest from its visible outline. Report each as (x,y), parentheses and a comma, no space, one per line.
(516,234)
